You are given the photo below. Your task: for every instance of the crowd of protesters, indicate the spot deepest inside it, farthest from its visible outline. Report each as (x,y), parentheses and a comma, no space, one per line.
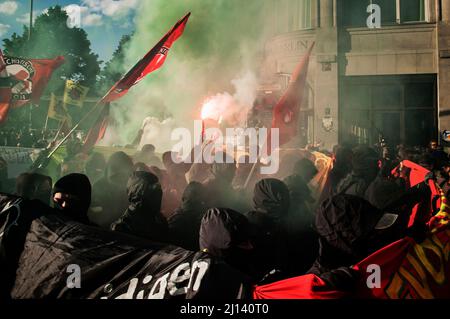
(268,227)
(30,138)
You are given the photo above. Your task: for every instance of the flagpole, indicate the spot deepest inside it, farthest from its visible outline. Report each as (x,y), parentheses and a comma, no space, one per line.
(31,20)
(46,122)
(73,130)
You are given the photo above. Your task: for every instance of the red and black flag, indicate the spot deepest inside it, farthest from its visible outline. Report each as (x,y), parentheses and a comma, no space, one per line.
(24,80)
(152,61)
(286,112)
(5,89)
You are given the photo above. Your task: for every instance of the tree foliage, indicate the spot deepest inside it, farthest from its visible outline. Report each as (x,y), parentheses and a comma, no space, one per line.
(52,37)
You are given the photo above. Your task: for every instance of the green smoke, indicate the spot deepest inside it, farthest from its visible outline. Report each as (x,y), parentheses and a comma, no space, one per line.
(222,41)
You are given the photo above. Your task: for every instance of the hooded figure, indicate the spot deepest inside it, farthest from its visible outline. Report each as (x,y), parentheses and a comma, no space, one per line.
(95,166)
(300,194)
(219,186)
(303,241)
(225,233)
(364,170)
(271,207)
(342,166)
(184,224)
(34,186)
(110,198)
(350,229)
(72,195)
(143,217)
(147,156)
(175,172)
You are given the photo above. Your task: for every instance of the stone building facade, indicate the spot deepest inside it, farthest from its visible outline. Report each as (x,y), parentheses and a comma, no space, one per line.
(363,82)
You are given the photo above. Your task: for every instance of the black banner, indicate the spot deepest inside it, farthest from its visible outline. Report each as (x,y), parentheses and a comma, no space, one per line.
(45,255)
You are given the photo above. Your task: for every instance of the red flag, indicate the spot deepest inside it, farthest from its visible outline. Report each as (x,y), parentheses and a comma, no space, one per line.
(152,61)
(97,132)
(26,78)
(5,89)
(286,112)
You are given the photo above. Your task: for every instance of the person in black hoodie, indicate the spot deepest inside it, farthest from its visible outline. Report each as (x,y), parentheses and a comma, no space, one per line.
(109,194)
(219,186)
(225,233)
(34,186)
(184,224)
(365,169)
(72,195)
(143,216)
(269,232)
(342,166)
(350,228)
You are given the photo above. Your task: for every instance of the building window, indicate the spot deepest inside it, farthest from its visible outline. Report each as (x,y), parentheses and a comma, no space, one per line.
(412,10)
(354,12)
(304,14)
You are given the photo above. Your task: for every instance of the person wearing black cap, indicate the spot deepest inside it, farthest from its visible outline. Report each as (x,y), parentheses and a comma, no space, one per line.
(72,195)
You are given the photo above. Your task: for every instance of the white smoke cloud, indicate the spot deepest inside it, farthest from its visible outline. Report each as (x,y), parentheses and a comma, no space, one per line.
(215,58)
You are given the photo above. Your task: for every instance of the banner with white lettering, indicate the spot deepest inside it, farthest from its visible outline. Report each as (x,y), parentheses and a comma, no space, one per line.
(44,255)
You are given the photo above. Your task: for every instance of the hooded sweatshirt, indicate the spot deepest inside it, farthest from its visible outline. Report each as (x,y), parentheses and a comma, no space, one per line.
(364,171)
(345,224)
(225,233)
(184,224)
(143,218)
(269,235)
(79,186)
(109,196)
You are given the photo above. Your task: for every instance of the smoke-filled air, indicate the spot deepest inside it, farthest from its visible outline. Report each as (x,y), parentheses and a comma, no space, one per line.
(215,61)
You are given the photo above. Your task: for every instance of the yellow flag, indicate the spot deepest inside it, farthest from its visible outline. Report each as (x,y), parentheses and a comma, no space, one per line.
(57,110)
(74,93)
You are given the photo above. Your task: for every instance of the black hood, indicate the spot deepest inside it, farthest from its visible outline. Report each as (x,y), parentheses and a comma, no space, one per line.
(346,225)
(365,162)
(78,185)
(298,189)
(144,192)
(118,169)
(194,198)
(222,230)
(271,196)
(143,216)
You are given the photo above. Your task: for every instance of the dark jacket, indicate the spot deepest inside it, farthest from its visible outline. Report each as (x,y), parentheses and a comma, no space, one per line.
(184,224)
(303,242)
(364,171)
(346,225)
(225,233)
(142,217)
(268,220)
(109,194)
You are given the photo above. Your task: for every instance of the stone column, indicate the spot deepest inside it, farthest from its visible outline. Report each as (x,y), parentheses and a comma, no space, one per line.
(445,9)
(326,13)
